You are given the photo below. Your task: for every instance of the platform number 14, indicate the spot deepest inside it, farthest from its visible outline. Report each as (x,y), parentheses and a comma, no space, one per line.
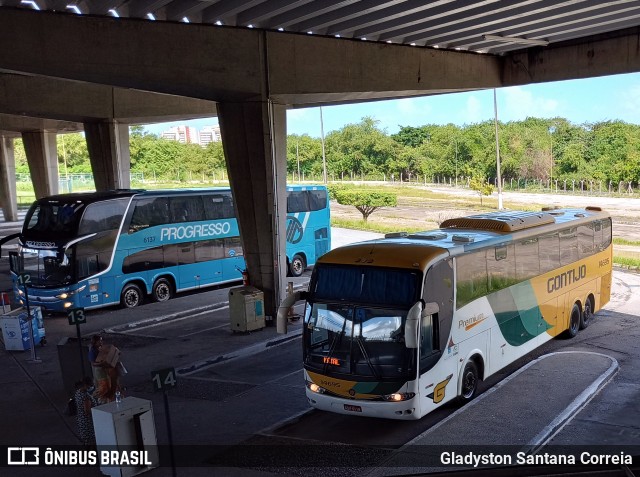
(163,379)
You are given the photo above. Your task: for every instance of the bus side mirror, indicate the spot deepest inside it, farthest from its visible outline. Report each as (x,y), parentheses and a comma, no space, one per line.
(411,326)
(283,310)
(430,308)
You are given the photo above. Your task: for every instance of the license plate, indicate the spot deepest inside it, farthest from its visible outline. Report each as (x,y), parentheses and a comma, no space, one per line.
(350,407)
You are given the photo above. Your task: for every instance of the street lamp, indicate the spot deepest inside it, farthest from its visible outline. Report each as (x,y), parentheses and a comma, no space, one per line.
(552,129)
(456,160)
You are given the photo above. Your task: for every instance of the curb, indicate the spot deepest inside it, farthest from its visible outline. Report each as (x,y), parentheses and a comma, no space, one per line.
(240,353)
(175,316)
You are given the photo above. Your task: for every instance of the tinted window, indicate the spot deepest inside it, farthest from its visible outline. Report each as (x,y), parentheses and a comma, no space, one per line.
(233,247)
(306,200)
(149,213)
(366,285)
(55,217)
(568,246)
(501,267)
(585,240)
(317,199)
(527,259)
(186,209)
(297,202)
(549,247)
(606,234)
(150,259)
(186,253)
(103,216)
(218,206)
(471,277)
(209,250)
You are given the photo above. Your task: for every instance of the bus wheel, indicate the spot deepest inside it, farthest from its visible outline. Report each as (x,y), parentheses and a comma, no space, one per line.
(297,266)
(131,296)
(469,381)
(585,318)
(574,321)
(162,290)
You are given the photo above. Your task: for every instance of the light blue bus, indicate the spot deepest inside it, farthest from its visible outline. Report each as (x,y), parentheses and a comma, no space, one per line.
(98,249)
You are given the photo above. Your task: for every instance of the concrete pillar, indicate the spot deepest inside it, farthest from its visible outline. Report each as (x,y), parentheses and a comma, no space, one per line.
(254,138)
(8,200)
(108,146)
(42,158)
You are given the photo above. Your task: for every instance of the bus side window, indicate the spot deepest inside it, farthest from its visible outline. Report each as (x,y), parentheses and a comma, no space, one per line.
(186,209)
(297,202)
(317,199)
(568,246)
(549,252)
(149,213)
(527,259)
(585,240)
(219,206)
(602,235)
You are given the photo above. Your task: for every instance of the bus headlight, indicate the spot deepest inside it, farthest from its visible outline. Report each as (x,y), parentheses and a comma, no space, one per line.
(65,295)
(67,304)
(315,388)
(397,397)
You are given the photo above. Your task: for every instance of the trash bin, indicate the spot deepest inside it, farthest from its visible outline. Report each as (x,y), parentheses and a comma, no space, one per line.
(246,308)
(126,425)
(15,328)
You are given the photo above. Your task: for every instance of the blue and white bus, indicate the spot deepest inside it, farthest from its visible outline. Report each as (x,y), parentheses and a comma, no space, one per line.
(97,249)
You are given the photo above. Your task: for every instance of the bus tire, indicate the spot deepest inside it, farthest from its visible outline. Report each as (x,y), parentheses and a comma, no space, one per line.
(297,265)
(574,321)
(131,296)
(587,313)
(469,381)
(162,290)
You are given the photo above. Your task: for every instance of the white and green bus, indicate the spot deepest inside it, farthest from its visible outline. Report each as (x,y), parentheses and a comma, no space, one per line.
(397,327)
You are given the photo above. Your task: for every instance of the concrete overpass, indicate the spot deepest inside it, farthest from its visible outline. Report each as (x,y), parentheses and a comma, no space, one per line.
(70,66)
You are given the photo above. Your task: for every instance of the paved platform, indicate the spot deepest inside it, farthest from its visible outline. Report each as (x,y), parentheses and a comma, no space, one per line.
(520,414)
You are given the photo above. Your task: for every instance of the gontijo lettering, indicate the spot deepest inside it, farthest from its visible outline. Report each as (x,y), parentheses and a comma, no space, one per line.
(194,231)
(566,278)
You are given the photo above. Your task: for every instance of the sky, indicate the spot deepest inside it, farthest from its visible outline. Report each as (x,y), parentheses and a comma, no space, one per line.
(579,101)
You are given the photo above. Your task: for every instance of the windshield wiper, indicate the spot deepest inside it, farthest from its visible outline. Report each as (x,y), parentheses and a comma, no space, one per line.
(333,345)
(363,350)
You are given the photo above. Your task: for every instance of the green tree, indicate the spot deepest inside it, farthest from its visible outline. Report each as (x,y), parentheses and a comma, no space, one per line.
(360,149)
(73,155)
(367,202)
(481,186)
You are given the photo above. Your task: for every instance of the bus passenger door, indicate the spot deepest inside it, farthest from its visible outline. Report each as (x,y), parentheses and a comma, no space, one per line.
(187,271)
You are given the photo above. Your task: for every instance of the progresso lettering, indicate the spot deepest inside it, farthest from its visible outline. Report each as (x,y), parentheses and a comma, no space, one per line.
(566,278)
(194,231)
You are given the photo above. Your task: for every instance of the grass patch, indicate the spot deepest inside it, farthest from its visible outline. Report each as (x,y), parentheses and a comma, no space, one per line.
(626,262)
(621,241)
(373,226)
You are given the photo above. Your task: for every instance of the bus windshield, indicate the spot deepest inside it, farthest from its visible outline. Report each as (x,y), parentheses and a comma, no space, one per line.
(46,267)
(366,285)
(54,217)
(364,338)
(357,340)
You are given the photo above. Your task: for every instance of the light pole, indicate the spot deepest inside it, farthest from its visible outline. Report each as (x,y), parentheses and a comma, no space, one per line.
(324,159)
(456,142)
(495,111)
(552,129)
